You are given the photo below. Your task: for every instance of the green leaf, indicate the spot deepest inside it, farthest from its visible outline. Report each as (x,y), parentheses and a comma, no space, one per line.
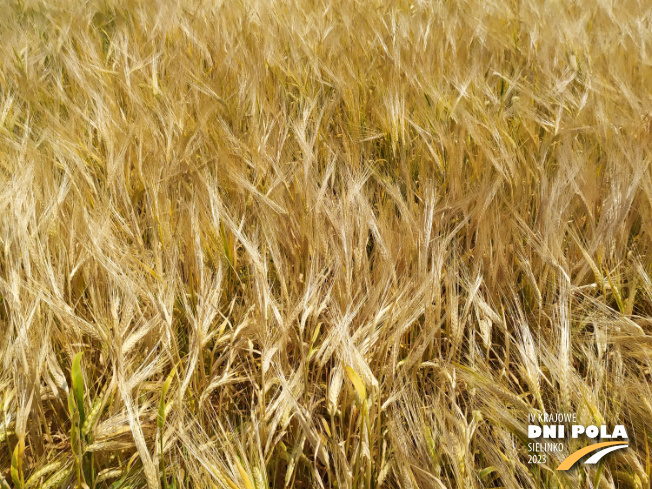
(485,472)
(598,474)
(117,484)
(78,387)
(17,464)
(161,406)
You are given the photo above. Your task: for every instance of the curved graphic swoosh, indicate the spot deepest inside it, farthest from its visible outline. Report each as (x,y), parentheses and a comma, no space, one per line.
(595,458)
(575,456)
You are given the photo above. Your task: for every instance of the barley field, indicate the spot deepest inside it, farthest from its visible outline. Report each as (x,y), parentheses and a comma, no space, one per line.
(322,243)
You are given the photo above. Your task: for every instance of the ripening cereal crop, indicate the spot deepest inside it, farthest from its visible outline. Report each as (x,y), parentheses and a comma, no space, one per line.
(325,244)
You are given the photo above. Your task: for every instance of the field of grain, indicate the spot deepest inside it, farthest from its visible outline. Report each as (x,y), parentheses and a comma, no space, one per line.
(322,244)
